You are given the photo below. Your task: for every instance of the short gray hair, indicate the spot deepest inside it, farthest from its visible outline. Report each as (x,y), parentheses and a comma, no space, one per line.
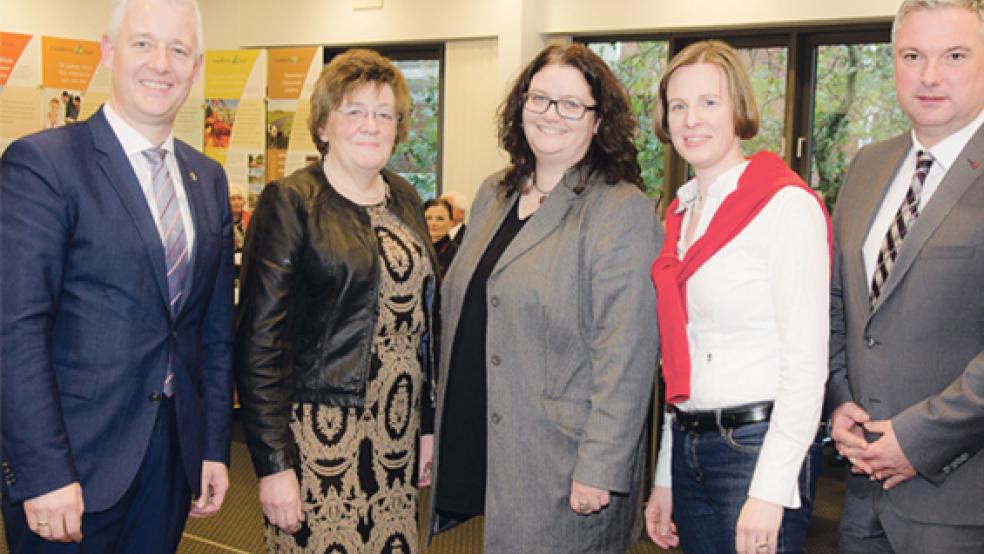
(909,6)
(118,11)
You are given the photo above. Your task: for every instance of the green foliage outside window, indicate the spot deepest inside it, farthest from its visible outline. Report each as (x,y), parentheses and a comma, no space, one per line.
(416,158)
(639,65)
(854,104)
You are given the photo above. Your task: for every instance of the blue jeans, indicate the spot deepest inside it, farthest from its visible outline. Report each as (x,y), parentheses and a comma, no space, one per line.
(711,475)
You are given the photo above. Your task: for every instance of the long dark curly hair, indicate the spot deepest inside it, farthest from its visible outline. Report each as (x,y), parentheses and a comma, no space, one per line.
(612,153)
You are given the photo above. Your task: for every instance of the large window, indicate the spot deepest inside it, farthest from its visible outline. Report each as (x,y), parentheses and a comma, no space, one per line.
(853,104)
(418,159)
(639,64)
(822,93)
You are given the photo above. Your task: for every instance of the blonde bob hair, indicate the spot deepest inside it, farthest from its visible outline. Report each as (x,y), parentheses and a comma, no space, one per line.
(724,57)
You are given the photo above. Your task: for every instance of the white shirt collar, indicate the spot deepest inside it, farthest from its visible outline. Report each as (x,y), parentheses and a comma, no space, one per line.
(725,184)
(133,142)
(945,152)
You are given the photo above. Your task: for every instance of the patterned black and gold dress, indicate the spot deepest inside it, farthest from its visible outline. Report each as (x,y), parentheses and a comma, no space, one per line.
(357,463)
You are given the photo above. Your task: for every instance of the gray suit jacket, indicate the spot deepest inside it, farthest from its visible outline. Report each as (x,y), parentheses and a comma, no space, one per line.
(572,325)
(917,358)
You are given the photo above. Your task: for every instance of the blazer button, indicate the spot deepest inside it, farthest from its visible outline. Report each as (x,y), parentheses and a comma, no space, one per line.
(154,397)
(496,419)
(496,360)
(494,301)
(870,342)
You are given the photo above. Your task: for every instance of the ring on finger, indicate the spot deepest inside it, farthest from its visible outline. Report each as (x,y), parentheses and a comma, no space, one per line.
(583,507)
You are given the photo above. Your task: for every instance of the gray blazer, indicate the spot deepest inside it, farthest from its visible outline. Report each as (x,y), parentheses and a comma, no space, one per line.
(572,344)
(917,358)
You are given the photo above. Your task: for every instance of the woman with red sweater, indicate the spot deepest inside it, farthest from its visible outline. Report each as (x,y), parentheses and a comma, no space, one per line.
(743,287)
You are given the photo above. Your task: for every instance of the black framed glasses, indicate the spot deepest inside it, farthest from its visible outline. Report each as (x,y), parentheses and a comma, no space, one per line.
(567,107)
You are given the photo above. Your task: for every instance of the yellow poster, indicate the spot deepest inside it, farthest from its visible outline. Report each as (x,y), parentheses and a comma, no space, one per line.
(68,63)
(235,114)
(227,73)
(288,68)
(292,74)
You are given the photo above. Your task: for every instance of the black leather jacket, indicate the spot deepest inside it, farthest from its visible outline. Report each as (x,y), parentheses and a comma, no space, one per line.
(309,289)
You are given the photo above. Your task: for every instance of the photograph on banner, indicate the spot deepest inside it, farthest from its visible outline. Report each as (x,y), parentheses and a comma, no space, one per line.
(60,107)
(220,116)
(280,124)
(67,68)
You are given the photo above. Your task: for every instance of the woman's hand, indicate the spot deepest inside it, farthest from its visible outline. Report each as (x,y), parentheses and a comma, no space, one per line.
(659,520)
(280,499)
(426,460)
(758,527)
(586,500)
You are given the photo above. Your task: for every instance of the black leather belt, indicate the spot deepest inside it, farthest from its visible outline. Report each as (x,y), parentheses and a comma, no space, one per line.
(728,418)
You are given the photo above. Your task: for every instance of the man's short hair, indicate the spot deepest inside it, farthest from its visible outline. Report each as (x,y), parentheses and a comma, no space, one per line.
(118,10)
(909,6)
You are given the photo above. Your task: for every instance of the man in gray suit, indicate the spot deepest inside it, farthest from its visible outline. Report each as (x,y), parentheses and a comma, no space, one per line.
(907,300)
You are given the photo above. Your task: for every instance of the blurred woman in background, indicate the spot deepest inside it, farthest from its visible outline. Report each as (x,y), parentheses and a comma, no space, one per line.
(438,213)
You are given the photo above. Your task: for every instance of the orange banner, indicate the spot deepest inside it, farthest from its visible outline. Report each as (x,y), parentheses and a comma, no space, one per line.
(286,70)
(68,63)
(11,47)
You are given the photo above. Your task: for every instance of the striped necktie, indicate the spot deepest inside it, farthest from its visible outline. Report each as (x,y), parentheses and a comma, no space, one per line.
(176,259)
(904,218)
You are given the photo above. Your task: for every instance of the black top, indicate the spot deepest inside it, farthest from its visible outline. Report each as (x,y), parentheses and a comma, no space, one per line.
(446,249)
(463,441)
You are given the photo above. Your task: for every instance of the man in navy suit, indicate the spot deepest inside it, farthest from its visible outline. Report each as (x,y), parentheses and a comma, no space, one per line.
(116,309)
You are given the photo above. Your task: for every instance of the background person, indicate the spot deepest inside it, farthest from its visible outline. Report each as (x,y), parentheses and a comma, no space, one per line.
(116,309)
(743,294)
(437,212)
(907,352)
(547,357)
(332,363)
(459,215)
(240,215)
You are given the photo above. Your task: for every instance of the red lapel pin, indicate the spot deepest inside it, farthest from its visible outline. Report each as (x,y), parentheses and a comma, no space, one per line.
(974,164)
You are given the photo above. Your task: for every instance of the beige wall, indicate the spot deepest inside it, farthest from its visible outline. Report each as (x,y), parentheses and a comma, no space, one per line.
(472,93)
(488,41)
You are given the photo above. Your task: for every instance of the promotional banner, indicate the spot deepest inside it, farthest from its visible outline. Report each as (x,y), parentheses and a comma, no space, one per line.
(67,68)
(291,75)
(235,115)
(20,75)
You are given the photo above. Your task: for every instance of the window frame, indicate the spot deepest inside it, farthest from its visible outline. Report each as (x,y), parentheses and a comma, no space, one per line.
(801,42)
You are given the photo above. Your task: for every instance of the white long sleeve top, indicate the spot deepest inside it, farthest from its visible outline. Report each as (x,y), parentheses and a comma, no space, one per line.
(758,325)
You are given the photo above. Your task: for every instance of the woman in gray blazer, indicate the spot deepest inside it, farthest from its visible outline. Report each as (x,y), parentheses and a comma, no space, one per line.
(548,355)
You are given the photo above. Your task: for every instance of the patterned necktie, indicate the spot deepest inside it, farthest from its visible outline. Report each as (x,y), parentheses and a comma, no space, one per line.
(176,260)
(901,223)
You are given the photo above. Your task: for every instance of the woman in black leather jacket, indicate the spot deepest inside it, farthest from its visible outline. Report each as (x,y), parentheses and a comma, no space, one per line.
(332,357)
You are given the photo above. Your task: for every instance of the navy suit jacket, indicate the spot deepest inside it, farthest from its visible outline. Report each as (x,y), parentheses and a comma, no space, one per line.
(86,330)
